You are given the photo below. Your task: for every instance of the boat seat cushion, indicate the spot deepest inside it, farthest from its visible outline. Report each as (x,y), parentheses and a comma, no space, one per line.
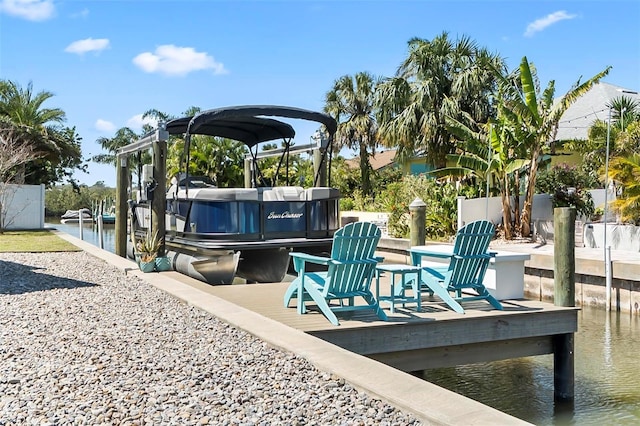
(321,193)
(222,194)
(289,193)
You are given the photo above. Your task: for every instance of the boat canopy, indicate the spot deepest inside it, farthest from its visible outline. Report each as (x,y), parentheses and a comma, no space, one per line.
(248,130)
(203,118)
(250,125)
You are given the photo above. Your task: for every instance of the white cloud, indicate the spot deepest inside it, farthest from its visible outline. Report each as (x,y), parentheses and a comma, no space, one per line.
(136,122)
(542,23)
(104,125)
(81,47)
(82,14)
(173,60)
(31,10)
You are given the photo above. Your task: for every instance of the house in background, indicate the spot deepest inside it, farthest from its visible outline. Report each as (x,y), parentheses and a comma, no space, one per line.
(382,159)
(378,161)
(580,116)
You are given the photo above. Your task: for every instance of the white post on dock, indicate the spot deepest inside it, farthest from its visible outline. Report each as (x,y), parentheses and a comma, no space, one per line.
(607,274)
(81,222)
(100,231)
(607,248)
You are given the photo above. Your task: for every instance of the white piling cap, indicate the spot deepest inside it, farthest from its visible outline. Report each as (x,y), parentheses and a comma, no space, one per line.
(417,203)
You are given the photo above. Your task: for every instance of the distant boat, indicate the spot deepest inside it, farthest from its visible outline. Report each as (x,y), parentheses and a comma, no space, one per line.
(73,216)
(108,218)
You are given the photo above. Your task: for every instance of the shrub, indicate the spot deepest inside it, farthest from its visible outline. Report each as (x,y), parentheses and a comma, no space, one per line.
(441,210)
(568,188)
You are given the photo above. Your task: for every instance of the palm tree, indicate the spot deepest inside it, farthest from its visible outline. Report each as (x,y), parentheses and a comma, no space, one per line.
(220,159)
(440,78)
(624,110)
(534,117)
(351,103)
(25,108)
(58,146)
(123,137)
(625,170)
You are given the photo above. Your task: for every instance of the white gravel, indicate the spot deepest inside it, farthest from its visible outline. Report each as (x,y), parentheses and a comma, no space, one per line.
(81,343)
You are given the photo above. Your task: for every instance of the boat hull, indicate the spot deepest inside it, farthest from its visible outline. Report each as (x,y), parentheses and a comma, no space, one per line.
(264,266)
(257,262)
(214,269)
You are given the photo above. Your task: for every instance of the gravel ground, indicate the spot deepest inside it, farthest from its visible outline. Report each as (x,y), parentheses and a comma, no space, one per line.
(81,343)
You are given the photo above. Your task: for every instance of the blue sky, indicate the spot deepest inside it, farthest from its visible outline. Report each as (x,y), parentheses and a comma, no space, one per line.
(108,61)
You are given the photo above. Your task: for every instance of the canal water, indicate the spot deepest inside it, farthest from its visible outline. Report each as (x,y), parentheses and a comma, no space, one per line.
(607,379)
(89,233)
(607,369)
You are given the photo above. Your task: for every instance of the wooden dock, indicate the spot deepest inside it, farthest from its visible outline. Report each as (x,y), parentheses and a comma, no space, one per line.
(433,338)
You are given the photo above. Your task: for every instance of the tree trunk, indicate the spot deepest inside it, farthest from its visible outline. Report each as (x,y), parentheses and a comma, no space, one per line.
(365,167)
(516,199)
(525,225)
(506,210)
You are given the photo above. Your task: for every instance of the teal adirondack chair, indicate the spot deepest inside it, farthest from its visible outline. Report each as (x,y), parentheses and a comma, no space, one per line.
(466,269)
(351,269)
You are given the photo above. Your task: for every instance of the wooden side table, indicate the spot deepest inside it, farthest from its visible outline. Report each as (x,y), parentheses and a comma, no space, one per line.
(410,277)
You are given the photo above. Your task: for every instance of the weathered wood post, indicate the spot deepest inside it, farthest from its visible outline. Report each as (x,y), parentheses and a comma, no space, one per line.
(564,219)
(418,214)
(159,200)
(122,186)
(319,167)
(248,174)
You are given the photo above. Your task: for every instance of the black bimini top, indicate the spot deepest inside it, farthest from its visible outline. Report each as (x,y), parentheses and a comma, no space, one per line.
(247,123)
(248,130)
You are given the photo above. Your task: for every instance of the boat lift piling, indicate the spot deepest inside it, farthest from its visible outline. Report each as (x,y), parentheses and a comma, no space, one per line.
(122,184)
(157,140)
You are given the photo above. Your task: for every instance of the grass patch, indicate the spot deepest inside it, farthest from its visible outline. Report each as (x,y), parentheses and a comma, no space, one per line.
(33,242)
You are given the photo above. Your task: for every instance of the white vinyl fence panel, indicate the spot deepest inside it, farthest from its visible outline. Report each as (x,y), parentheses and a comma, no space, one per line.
(491,209)
(22,206)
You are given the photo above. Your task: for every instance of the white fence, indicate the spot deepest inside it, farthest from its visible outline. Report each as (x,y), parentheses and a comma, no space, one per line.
(491,209)
(619,237)
(22,206)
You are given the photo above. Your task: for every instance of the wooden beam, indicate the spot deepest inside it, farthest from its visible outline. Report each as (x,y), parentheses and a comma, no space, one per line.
(457,330)
(451,356)
(159,201)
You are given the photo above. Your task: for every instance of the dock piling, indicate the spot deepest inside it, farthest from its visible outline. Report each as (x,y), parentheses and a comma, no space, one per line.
(122,184)
(418,212)
(564,219)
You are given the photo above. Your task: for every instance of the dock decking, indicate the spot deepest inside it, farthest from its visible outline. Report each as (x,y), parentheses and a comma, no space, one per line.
(433,338)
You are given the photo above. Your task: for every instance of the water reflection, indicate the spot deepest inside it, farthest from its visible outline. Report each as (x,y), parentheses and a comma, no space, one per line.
(89,233)
(606,383)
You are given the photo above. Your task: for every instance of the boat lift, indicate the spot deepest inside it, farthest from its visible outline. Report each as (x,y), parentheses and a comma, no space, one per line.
(263,236)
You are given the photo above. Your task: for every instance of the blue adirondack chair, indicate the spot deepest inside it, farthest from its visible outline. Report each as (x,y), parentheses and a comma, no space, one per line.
(466,269)
(351,268)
